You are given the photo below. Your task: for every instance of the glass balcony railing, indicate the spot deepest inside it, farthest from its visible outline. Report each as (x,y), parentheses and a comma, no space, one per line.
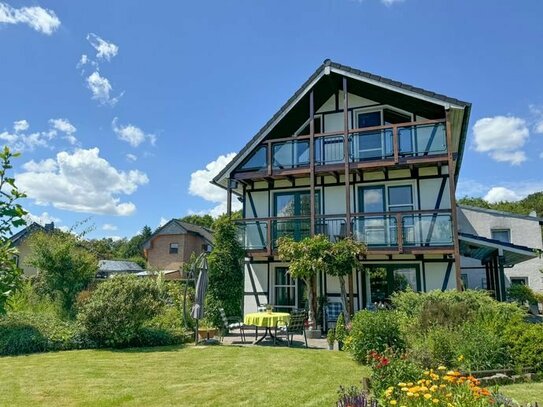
(253,235)
(290,154)
(372,145)
(294,228)
(376,231)
(421,140)
(329,150)
(427,230)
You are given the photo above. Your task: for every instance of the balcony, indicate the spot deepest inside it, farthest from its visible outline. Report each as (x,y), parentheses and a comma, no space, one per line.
(373,146)
(390,232)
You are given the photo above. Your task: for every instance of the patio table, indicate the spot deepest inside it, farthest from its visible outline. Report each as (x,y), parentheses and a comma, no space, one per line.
(267,320)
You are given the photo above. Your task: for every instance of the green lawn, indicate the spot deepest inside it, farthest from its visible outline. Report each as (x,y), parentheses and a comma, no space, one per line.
(524,393)
(177,376)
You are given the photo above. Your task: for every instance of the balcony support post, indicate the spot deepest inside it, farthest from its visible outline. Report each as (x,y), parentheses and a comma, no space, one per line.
(452,190)
(229,198)
(346,157)
(395,144)
(312,161)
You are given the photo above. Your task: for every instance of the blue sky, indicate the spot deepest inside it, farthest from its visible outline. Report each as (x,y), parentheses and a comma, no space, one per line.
(167,88)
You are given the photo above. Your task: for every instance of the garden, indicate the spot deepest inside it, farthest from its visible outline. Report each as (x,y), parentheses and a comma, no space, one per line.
(443,349)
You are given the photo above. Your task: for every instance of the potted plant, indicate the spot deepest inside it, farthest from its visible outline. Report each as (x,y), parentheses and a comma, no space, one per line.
(340,331)
(331,338)
(206,330)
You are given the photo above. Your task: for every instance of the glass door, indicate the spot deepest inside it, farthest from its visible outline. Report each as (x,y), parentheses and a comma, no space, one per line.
(294,204)
(288,293)
(381,280)
(372,230)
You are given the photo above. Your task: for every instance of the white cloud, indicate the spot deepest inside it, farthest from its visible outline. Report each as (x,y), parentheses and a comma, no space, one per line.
(131,134)
(20,125)
(42,219)
(106,50)
(389,3)
(502,137)
(47,165)
(38,18)
(108,226)
(200,185)
(101,89)
(131,157)
(66,127)
(499,194)
(21,141)
(162,221)
(82,182)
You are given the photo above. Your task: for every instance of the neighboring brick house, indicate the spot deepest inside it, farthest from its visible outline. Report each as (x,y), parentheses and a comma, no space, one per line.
(20,241)
(172,245)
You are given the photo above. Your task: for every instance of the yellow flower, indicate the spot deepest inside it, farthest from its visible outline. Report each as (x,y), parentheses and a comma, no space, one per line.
(402,384)
(405,389)
(427,396)
(393,402)
(435,401)
(409,394)
(410,384)
(460,358)
(442,368)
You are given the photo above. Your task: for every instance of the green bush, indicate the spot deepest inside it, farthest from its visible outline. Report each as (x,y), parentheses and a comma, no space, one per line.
(521,294)
(119,308)
(375,331)
(525,343)
(24,332)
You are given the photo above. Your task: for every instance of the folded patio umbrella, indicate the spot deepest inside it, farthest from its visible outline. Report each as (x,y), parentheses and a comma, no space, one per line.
(197,311)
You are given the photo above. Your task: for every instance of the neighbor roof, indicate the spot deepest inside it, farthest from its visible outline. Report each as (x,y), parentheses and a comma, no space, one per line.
(481,248)
(118,266)
(205,233)
(393,85)
(502,213)
(18,237)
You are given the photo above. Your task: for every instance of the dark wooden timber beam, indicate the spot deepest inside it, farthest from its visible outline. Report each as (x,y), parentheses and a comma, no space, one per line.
(452,190)
(312,161)
(229,198)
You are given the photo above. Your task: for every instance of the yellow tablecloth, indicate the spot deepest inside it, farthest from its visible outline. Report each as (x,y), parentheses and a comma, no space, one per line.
(265,319)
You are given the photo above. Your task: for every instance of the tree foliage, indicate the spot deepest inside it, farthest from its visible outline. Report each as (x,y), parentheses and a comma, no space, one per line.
(11,216)
(522,207)
(200,220)
(313,255)
(225,289)
(66,266)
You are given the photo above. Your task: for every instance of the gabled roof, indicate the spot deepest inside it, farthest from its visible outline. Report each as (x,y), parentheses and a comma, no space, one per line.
(501,213)
(21,235)
(328,67)
(182,228)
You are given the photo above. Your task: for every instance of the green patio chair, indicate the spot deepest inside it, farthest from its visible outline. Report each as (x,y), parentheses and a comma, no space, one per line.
(230,324)
(295,326)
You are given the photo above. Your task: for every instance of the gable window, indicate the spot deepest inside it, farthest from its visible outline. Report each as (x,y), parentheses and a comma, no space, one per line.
(174,248)
(519,280)
(503,235)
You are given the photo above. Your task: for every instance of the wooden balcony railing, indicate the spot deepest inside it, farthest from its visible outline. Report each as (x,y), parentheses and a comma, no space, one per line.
(392,231)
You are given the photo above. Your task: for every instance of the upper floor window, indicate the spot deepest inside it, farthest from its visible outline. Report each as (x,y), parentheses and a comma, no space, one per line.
(174,248)
(400,198)
(397,198)
(256,161)
(503,235)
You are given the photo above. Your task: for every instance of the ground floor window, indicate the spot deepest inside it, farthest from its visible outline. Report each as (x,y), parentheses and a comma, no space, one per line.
(519,280)
(381,280)
(288,293)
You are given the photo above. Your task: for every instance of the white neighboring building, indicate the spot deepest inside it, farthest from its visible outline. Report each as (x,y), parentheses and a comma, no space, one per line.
(517,230)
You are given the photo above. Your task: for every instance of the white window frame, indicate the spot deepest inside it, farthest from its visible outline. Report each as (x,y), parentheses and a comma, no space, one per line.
(274,286)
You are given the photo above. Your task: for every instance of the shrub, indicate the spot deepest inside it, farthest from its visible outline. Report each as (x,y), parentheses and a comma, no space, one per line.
(525,343)
(374,331)
(521,294)
(24,332)
(341,331)
(119,308)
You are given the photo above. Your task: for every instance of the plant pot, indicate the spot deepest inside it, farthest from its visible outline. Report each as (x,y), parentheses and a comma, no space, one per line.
(313,333)
(206,333)
(330,346)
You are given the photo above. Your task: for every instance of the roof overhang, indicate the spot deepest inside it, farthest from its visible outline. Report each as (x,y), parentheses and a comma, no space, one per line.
(482,248)
(459,110)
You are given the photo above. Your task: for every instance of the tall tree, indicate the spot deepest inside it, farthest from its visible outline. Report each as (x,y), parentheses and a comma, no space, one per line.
(66,265)
(200,220)
(11,216)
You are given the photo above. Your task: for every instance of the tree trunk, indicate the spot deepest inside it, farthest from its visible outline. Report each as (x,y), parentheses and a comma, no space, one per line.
(344,299)
(309,288)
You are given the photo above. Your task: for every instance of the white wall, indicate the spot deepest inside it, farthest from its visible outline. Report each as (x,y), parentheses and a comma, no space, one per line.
(435,276)
(259,272)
